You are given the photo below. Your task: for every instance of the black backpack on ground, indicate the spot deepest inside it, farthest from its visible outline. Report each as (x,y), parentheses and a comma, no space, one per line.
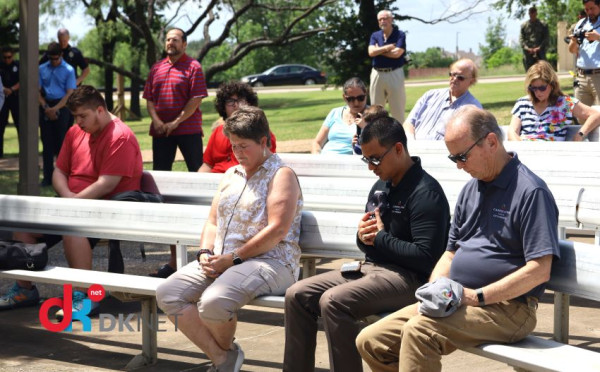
(17,255)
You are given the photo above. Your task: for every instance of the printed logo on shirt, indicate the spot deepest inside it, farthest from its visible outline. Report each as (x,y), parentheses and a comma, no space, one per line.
(398,209)
(501,213)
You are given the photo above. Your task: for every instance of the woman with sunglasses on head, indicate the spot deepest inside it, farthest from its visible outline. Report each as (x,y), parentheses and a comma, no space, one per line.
(218,155)
(544,113)
(335,136)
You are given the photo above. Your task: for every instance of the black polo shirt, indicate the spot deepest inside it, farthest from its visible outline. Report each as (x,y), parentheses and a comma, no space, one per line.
(9,73)
(416,223)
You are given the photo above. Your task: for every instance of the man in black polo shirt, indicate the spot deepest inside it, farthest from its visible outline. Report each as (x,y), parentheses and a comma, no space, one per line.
(402,239)
(387,47)
(9,72)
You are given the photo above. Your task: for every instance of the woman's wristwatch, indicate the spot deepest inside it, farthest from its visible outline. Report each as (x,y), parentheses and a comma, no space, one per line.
(236,259)
(581,134)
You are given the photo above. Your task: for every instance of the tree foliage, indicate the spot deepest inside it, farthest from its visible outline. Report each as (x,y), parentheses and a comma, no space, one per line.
(9,32)
(495,36)
(550,12)
(432,57)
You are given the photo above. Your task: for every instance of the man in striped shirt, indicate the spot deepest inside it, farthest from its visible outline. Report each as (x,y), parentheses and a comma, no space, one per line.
(173,92)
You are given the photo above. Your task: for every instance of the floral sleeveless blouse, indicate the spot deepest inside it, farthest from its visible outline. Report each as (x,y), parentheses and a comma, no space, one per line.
(242,213)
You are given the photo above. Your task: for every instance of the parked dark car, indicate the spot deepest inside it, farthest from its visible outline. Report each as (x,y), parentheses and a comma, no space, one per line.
(286,75)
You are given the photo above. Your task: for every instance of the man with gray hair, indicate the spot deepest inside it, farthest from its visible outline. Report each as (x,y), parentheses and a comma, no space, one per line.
(427,120)
(387,47)
(500,249)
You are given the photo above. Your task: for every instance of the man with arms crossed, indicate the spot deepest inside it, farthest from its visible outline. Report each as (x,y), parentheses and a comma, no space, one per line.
(100,158)
(502,242)
(427,120)
(387,47)
(401,241)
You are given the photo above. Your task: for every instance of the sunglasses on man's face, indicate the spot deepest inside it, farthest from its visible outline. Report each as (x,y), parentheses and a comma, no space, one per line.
(457,76)
(376,161)
(541,88)
(357,98)
(464,156)
(7,57)
(54,58)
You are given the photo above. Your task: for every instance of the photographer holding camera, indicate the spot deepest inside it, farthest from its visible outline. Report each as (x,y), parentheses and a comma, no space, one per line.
(402,233)
(585,43)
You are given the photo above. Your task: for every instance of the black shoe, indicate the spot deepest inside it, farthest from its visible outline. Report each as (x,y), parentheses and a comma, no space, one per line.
(164,272)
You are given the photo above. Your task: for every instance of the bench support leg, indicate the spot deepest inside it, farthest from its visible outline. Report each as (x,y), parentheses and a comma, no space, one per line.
(181,253)
(309,267)
(562,232)
(561,317)
(149,353)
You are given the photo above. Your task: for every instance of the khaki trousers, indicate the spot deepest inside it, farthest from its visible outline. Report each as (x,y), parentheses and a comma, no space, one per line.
(389,86)
(408,341)
(588,89)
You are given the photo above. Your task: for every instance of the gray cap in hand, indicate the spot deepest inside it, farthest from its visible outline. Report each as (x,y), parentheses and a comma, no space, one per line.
(439,298)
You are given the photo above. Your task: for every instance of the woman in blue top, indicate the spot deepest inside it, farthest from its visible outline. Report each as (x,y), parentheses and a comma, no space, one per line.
(335,136)
(543,115)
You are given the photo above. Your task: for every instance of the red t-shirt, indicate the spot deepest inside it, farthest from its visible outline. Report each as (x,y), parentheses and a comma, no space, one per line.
(218,153)
(115,152)
(171,86)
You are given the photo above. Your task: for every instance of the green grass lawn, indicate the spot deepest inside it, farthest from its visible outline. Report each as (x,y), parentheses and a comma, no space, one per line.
(299,115)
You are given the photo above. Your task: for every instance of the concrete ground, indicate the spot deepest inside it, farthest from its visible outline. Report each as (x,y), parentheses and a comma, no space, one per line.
(26,346)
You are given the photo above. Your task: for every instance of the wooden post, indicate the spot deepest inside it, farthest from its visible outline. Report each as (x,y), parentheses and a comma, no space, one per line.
(121,111)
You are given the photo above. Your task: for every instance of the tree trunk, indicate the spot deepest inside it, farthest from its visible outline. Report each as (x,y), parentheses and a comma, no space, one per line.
(107,52)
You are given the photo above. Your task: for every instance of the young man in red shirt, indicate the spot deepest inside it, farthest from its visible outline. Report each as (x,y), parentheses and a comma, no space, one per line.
(100,158)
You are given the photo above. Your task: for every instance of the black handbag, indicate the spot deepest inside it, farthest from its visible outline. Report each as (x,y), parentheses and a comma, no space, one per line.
(17,255)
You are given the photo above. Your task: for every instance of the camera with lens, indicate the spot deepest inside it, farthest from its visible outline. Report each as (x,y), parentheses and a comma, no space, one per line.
(579,35)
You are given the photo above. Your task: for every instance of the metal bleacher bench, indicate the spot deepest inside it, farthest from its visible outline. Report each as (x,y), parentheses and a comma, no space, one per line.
(323,234)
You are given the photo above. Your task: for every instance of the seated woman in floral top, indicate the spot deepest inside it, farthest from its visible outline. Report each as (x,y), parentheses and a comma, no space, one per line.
(543,115)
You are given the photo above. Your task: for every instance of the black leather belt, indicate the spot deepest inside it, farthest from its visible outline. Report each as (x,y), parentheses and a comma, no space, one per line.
(593,71)
(530,301)
(386,69)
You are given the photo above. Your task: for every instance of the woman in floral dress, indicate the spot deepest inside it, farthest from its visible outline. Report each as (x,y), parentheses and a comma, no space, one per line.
(545,113)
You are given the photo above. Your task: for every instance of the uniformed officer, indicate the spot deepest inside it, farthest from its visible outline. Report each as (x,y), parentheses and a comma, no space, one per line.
(533,39)
(9,72)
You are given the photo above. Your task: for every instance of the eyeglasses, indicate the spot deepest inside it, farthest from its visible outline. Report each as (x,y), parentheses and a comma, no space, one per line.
(7,57)
(457,76)
(463,157)
(541,88)
(54,58)
(382,18)
(232,102)
(357,98)
(374,161)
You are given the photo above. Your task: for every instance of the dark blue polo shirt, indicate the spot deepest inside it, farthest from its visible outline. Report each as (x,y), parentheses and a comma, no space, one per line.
(9,73)
(397,38)
(498,226)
